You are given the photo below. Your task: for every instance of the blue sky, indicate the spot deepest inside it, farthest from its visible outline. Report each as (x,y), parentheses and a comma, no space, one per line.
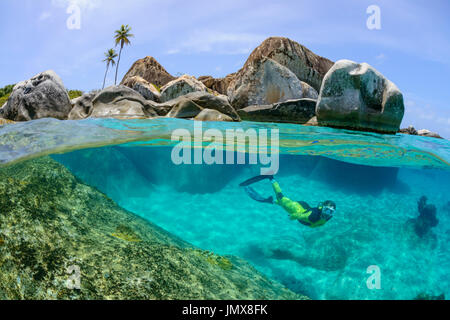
(215,38)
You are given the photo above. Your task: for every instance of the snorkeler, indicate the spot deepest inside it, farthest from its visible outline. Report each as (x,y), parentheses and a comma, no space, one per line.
(298,210)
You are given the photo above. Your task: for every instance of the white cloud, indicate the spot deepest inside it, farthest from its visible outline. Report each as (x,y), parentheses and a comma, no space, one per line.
(173,51)
(44,16)
(380,58)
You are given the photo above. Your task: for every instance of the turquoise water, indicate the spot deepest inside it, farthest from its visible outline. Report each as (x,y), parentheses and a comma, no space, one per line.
(376,181)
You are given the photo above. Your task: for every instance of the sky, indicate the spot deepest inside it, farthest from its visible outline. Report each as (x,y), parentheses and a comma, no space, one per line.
(411,47)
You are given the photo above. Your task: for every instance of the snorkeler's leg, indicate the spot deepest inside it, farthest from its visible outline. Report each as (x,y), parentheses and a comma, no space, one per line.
(294,209)
(277,189)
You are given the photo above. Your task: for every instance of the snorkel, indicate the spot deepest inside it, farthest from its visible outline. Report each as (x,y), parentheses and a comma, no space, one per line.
(328,208)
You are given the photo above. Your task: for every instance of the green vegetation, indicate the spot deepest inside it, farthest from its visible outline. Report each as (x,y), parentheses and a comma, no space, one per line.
(125,233)
(4,99)
(110,56)
(5,92)
(156,87)
(215,260)
(122,37)
(75,94)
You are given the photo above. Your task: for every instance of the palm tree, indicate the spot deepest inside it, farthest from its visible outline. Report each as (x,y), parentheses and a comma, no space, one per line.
(122,37)
(110,56)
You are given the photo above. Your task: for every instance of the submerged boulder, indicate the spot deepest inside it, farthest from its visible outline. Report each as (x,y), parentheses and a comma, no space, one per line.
(150,70)
(291,111)
(145,88)
(356,96)
(265,82)
(56,230)
(121,102)
(42,96)
(180,87)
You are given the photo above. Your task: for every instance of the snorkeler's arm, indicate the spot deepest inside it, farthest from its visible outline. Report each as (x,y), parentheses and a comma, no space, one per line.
(295,210)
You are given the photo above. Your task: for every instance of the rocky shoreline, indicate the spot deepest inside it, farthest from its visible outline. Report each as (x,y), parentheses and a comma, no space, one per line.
(281,81)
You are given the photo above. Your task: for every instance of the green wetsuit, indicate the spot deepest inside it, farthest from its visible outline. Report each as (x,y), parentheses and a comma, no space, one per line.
(301,211)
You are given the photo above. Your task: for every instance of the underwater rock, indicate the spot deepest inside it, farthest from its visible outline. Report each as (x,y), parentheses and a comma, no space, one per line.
(266,82)
(291,111)
(150,70)
(145,88)
(426,296)
(194,179)
(180,87)
(354,178)
(426,219)
(320,254)
(42,96)
(356,96)
(62,239)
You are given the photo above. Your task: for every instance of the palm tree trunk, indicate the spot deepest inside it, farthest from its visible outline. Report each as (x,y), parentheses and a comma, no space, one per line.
(104,80)
(118,62)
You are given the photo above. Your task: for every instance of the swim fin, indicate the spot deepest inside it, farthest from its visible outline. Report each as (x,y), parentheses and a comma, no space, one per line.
(257,197)
(254,180)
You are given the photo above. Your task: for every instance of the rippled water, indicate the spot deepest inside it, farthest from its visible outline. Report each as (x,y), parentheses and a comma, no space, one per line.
(376,181)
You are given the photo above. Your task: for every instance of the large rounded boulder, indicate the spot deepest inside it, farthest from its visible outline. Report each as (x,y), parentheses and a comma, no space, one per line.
(121,102)
(193,103)
(145,88)
(180,87)
(266,82)
(43,96)
(150,70)
(305,64)
(356,96)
